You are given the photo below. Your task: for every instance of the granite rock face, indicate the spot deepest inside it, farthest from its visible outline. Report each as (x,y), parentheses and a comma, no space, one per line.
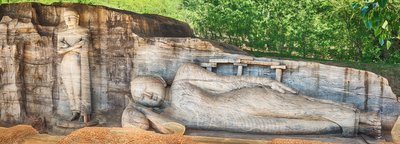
(30,67)
(124,45)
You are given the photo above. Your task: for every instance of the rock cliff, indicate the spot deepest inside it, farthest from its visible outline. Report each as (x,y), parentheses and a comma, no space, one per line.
(125,44)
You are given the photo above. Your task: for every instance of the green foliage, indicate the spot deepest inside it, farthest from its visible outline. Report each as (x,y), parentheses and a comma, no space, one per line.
(382,17)
(170,8)
(362,31)
(321,29)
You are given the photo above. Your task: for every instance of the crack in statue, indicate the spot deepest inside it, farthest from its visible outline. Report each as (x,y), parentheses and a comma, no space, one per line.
(73,44)
(200,99)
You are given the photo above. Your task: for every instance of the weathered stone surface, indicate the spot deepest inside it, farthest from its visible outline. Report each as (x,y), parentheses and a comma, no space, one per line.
(396,131)
(125,45)
(11,98)
(30,67)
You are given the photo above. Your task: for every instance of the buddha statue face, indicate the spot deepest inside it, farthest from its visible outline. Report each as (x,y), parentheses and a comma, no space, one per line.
(148,90)
(71,18)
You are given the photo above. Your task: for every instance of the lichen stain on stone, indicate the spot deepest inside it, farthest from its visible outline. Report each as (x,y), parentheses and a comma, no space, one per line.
(346,84)
(317,75)
(366,90)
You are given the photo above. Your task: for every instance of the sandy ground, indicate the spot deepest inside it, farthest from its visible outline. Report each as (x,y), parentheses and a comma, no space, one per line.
(16,134)
(122,135)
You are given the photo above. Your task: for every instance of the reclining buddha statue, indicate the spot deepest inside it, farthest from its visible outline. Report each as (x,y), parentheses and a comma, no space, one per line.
(200,99)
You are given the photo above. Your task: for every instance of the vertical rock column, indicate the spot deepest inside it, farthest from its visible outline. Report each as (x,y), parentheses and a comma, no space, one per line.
(11,101)
(37,73)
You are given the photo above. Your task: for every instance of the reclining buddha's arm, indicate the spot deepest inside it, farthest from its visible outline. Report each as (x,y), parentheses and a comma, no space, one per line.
(159,122)
(195,75)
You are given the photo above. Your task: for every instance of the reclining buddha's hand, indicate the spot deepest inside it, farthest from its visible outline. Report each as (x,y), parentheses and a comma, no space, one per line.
(159,122)
(132,117)
(141,108)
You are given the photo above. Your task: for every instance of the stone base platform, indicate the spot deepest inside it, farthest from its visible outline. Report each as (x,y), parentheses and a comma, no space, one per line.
(64,127)
(75,124)
(245,138)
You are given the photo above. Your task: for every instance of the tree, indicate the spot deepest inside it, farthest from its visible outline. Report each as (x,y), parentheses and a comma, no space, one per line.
(382,17)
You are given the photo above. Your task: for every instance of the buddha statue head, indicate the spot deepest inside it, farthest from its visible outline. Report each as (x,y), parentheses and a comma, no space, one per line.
(71,18)
(148,90)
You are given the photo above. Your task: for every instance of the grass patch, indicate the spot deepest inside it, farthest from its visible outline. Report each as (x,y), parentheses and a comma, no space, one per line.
(169,8)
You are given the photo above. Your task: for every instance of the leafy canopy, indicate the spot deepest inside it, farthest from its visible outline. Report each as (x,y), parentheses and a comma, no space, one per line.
(350,30)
